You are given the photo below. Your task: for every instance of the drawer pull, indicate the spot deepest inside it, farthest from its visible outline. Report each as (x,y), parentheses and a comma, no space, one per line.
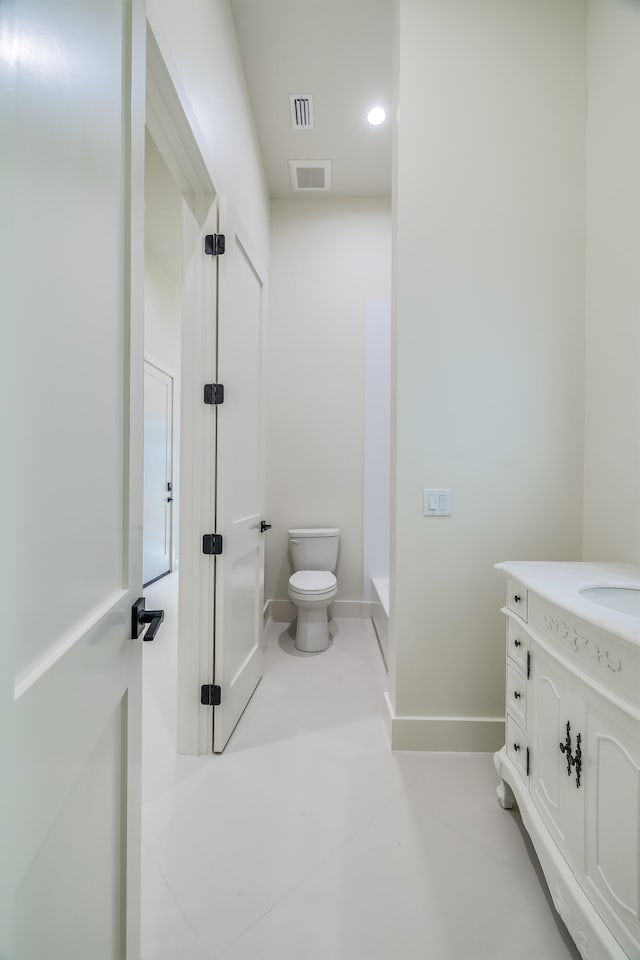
(517,643)
(517,694)
(517,598)
(516,747)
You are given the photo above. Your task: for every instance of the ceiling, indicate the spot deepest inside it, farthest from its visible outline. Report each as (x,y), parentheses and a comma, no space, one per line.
(339,51)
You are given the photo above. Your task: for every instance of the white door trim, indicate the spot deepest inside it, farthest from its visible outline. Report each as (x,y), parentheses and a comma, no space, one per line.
(173,126)
(175,132)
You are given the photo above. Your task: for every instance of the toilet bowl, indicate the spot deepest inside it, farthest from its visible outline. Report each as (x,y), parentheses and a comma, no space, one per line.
(314,552)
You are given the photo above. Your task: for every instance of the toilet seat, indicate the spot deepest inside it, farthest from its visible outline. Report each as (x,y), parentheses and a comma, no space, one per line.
(312,581)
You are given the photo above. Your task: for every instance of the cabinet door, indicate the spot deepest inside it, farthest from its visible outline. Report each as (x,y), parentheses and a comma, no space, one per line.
(612,782)
(554,702)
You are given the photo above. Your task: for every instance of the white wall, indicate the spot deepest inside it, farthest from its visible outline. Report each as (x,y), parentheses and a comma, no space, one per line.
(329,259)
(612,428)
(163,290)
(200,49)
(489,346)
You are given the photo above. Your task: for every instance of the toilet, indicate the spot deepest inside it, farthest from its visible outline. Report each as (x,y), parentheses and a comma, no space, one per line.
(314,551)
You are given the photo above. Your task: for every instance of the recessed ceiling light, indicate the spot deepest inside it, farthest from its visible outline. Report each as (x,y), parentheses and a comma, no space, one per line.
(376,116)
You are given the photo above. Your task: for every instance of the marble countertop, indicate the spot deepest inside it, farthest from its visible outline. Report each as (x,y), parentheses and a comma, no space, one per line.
(561,582)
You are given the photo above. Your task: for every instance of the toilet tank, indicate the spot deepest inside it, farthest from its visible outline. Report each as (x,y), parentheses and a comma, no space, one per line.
(314,548)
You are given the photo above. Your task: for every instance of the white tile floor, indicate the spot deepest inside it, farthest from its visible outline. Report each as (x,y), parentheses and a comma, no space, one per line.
(309,839)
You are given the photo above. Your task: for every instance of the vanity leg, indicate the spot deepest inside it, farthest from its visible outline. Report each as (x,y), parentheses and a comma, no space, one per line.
(505,795)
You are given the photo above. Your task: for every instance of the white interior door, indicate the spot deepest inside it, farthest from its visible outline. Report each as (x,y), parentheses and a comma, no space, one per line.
(240,482)
(74,452)
(158,473)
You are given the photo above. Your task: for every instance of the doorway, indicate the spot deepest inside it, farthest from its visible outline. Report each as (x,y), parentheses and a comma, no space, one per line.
(158,494)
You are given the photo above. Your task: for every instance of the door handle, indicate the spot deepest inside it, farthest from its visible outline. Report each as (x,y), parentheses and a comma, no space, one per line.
(264,526)
(169,499)
(140,617)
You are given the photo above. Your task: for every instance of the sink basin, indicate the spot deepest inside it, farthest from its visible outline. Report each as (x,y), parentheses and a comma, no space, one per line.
(623,599)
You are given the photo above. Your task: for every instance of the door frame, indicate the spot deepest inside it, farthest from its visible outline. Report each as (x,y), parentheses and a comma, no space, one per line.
(177,135)
(170,375)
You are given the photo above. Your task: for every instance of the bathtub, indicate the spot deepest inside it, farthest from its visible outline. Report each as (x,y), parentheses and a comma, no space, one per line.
(380,614)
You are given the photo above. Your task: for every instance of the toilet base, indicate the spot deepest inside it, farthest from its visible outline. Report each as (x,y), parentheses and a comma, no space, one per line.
(312,630)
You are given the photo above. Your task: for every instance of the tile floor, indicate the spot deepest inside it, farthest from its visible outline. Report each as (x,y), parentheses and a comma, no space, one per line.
(309,839)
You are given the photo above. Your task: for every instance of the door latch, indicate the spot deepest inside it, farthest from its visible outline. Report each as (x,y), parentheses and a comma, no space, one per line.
(140,617)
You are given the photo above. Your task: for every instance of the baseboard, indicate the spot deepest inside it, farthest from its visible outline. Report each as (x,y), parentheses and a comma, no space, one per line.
(284,611)
(447,734)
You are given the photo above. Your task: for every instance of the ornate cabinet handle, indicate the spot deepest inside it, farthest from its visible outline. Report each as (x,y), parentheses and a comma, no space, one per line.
(578,760)
(566,748)
(572,761)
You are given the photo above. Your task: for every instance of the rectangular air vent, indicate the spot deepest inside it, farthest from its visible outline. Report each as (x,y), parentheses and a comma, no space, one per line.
(310,176)
(301,111)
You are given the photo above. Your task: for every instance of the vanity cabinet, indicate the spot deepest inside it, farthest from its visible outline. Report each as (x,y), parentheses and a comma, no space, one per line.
(571,762)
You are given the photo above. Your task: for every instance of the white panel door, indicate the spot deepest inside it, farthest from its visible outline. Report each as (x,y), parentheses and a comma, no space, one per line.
(158,473)
(240,482)
(73,448)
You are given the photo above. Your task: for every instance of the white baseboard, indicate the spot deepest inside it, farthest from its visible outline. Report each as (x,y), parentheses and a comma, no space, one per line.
(447,734)
(284,611)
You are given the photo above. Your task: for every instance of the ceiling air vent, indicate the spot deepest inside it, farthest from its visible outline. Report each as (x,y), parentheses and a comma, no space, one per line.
(310,176)
(301,111)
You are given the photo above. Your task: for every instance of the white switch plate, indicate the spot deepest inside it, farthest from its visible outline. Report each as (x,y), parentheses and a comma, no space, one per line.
(436,502)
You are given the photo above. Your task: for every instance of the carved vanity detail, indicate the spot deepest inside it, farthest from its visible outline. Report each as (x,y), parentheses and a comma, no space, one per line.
(571,760)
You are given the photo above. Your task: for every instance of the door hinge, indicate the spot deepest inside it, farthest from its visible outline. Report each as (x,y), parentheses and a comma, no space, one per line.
(214,393)
(214,244)
(210,695)
(528,664)
(527,761)
(212,544)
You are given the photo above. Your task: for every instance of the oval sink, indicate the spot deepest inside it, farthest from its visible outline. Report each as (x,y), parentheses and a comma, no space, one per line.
(623,599)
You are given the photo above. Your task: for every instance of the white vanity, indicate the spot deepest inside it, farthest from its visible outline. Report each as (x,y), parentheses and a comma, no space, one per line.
(572,755)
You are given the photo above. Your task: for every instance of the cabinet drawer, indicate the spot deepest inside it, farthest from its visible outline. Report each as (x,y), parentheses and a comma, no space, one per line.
(517,644)
(517,747)
(517,695)
(517,599)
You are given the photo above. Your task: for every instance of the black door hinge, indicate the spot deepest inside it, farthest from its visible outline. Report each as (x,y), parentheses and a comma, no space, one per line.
(214,244)
(212,544)
(210,695)
(214,393)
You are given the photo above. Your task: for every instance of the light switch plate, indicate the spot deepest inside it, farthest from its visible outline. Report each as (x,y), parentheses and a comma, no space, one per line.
(436,502)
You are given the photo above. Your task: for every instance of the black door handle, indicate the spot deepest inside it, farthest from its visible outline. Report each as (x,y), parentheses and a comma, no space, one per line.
(140,617)
(264,526)
(169,499)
